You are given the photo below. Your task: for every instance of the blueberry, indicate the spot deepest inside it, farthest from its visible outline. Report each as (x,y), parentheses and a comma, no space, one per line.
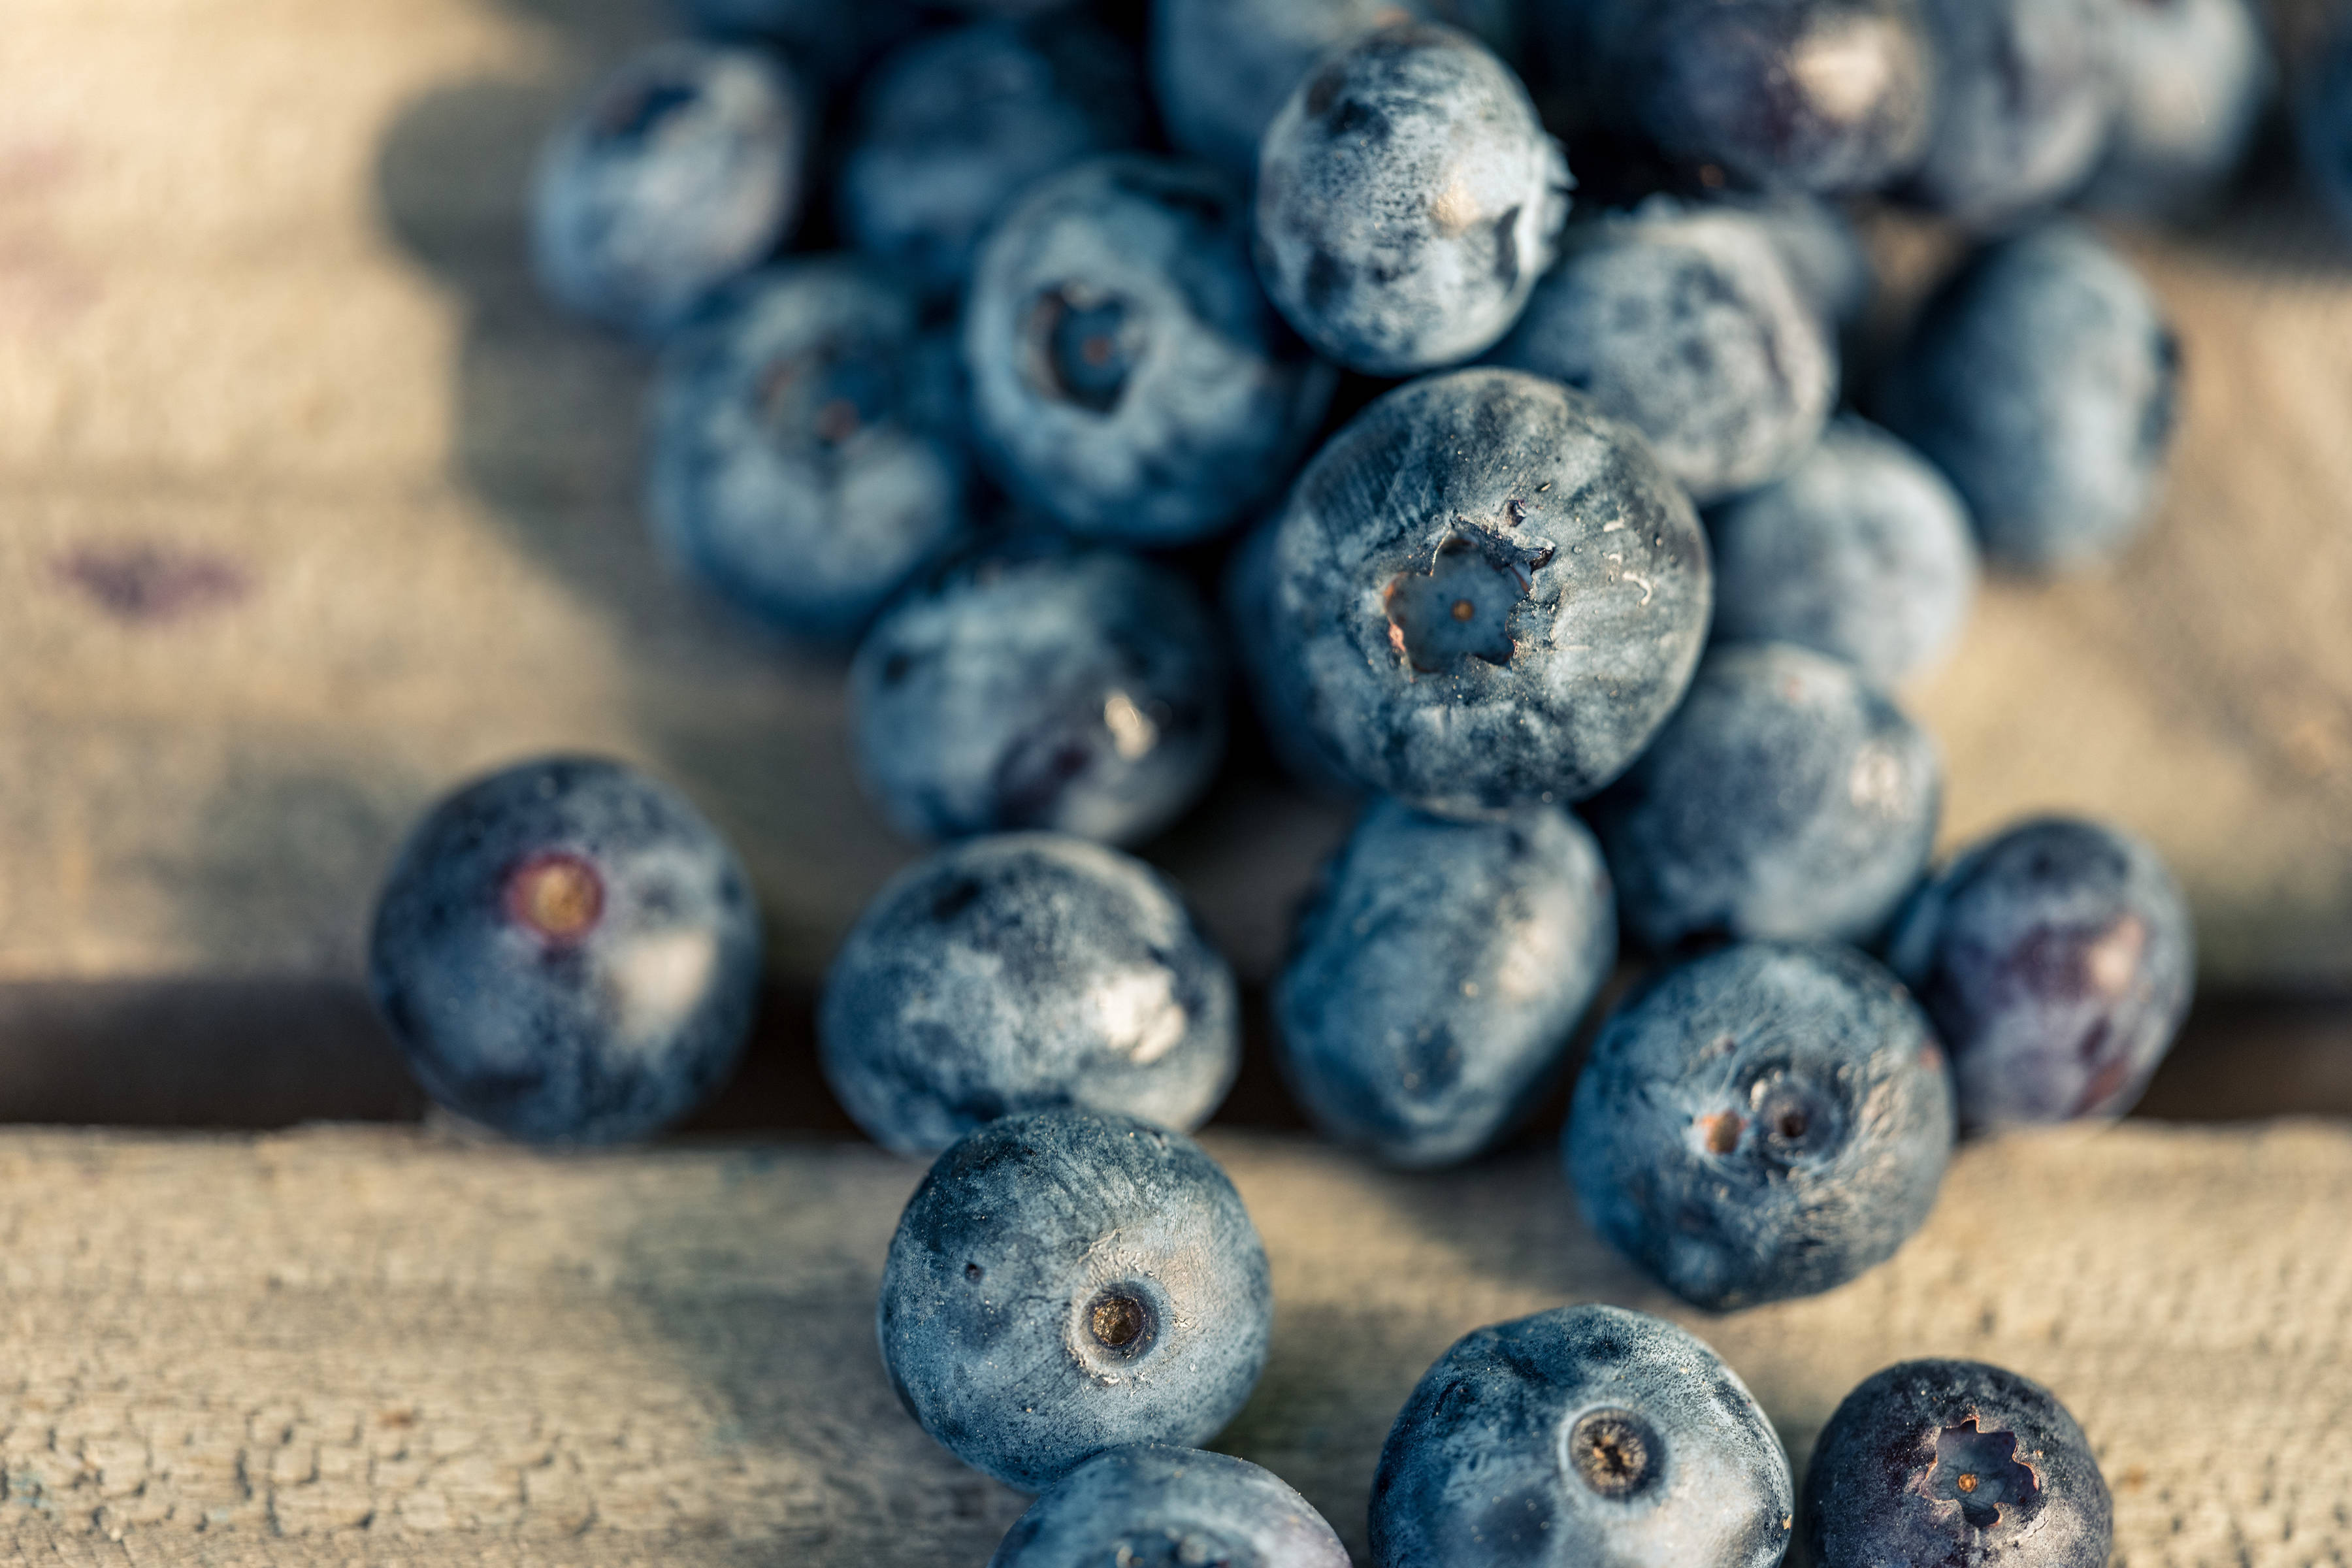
(807,458)
(1682,322)
(1128,378)
(2042,381)
(2323,123)
(566,951)
(1019,972)
(829,40)
(1438,975)
(1064,1282)
(1486,592)
(1586,1434)
(2193,77)
(1787,797)
(2057,959)
(955,125)
(1407,200)
(1082,693)
(1222,69)
(1861,552)
(2024,98)
(680,170)
(1802,95)
(1153,1506)
(1825,256)
(1954,1461)
(1764,1122)
(1248,600)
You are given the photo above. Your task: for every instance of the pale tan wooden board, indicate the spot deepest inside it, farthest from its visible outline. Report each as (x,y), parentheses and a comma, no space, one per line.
(269,359)
(343,1346)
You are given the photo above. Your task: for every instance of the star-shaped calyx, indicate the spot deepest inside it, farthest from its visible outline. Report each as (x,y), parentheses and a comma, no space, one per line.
(1980,1471)
(1461,605)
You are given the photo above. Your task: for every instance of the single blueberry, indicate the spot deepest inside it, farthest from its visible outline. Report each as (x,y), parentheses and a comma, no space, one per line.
(1682,321)
(679,172)
(1153,1506)
(953,126)
(1438,975)
(1586,1434)
(1222,69)
(1019,972)
(1764,1122)
(2193,77)
(1787,797)
(1407,200)
(2024,98)
(805,447)
(2042,380)
(1861,552)
(566,951)
(1064,1282)
(1128,378)
(2057,959)
(1799,95)
(2323,123)
(832,40)
(1082,693)
(1954,1461)
(1487,592)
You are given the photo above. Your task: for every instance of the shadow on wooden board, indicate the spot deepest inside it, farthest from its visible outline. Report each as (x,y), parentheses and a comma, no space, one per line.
(258,1055)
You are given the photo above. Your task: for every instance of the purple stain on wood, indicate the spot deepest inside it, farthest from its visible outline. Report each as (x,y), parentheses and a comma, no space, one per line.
(150,584)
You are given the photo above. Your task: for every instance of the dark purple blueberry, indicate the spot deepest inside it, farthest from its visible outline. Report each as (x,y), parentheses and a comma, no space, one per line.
(2057,959)
(1581,1436)
(1807,95)
(1951,1463)
(678,173)
(567,952)
(1064,1282)
(1765,1123)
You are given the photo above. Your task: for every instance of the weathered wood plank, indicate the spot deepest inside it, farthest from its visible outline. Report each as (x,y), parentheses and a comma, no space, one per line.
(343,1346)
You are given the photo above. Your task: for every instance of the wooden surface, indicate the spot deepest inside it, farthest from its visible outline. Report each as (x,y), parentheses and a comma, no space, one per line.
(346,1346)
(314,509)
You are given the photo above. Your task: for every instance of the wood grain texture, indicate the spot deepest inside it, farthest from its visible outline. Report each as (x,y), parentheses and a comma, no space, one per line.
(346,1346)
(315,509)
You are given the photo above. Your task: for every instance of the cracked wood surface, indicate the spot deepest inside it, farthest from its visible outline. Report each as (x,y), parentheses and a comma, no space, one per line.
(315,508)
(343,1346)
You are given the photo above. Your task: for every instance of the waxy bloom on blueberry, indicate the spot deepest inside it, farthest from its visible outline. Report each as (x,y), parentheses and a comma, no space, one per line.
(1151,1505)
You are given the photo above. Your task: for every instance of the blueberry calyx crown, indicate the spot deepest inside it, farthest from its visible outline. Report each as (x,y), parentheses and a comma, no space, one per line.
(826,395)
(1615,1453)
(1084,345)
(556,894)
(1982,1472)
(1461,606)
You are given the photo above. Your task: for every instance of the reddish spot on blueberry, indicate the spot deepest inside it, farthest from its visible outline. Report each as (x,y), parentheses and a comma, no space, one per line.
(556,894)
(1980,1471)
(1721,1132)
(152,583)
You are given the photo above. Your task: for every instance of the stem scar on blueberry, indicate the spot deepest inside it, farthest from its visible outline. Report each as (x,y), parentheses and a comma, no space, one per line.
(1615,1452)
(1461,606)
(555,894)
(1120,1322)
(1980,1471)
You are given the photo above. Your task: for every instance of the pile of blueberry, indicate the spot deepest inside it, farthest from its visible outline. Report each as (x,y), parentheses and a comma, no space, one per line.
(1094,293)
